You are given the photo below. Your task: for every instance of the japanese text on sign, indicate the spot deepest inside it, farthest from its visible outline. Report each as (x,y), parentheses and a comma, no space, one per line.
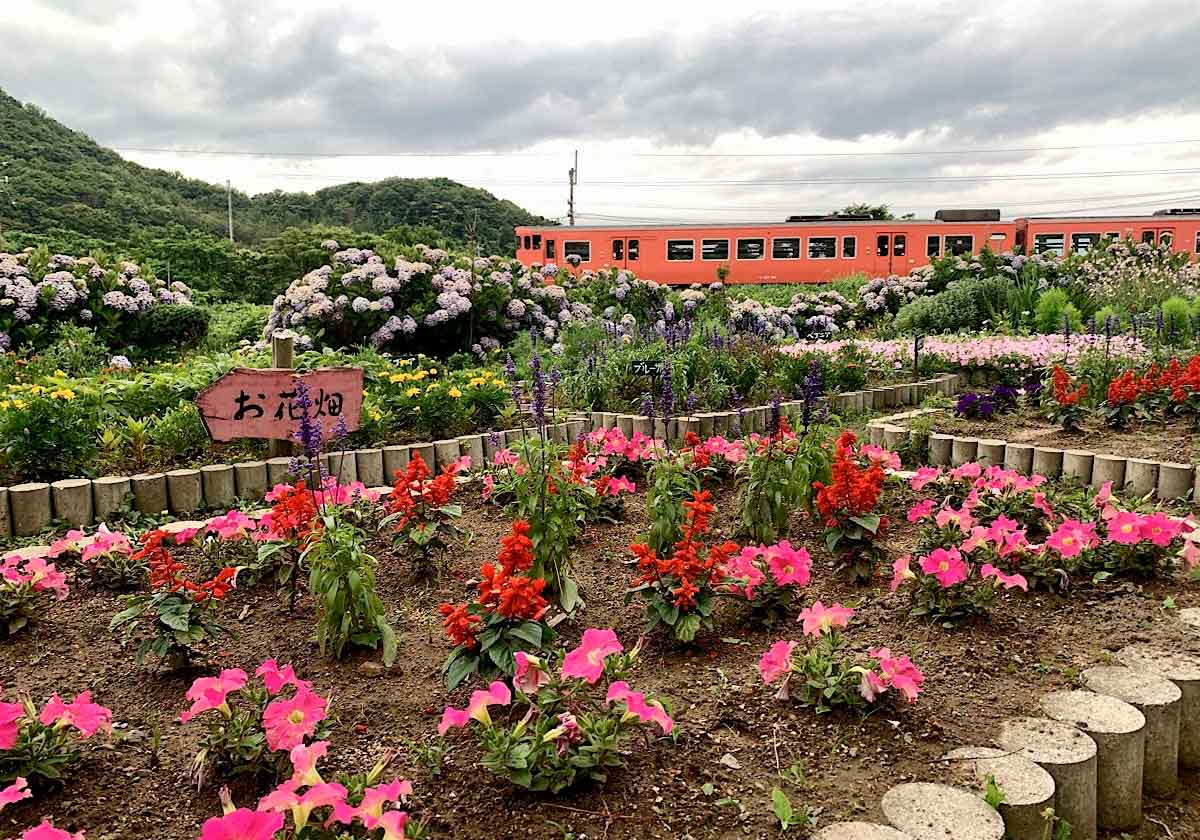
(261,403)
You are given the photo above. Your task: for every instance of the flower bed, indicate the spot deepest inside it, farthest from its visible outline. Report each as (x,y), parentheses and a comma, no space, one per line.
(713,738)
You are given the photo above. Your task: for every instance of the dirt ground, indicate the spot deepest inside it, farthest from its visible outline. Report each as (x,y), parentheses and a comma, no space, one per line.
(732,734)
(1177,440)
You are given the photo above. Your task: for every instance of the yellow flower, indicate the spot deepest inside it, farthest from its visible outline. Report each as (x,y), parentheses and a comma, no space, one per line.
(62,394)
(430,387)
(454,392)
(375,415)
(36,389)
(61,374)
(4,404)
(19,404)
(405,362)
(398,377)
(433,370)
(412,392)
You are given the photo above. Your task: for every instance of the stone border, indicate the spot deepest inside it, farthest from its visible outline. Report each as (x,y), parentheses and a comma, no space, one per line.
(27,509)
(1166,480)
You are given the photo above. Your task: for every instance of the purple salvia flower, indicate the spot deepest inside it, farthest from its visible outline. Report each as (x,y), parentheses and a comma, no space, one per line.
(308,433)
(510,371)
(538,404)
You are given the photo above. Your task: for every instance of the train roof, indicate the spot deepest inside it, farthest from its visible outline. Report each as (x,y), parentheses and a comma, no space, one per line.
(1156,217)
(825,223)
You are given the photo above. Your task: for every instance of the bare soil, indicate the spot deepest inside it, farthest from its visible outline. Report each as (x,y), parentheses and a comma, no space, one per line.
(1174,440)
(732,733)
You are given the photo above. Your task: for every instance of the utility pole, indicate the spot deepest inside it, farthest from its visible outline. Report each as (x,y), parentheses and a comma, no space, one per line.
(4,192)
(572,179)
(229,205)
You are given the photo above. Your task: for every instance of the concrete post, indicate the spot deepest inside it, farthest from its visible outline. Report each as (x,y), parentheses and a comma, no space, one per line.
(1028,789)
(150,492)
(1119,731)
(859,831)
(575,429)
(925,810)
(1158,699)
(73,501)
(277,470)
(368,463)
(219,487)
(894,438)
(1106,468)
(875,433)
(445,452)
(344,465)
(1066,754)
(108,494)
(250,477)
(1019,457)
(941,449)
(1174,480)
(30,507)
(990,452)
(425,450)
(962,450)
(472,447)
(1047,461)
(1141,476)
(5,517)
(396,458)
(1077,465)
(1184,670)
(184,490)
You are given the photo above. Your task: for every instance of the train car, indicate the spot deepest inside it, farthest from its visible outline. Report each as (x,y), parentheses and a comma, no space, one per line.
(800,250)
(817,249)
(1178,228)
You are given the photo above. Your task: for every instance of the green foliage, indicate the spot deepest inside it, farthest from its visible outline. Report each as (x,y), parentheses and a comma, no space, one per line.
(964,305)
(777,478)
(993,795)
(168,329)
(672,482)
(76,351)
(1177,327)
(231,323)
(49,436)
(40,752)
(179,433)
(1054,309)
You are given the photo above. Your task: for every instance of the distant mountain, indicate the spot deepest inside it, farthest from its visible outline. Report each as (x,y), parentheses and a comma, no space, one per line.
(59,179)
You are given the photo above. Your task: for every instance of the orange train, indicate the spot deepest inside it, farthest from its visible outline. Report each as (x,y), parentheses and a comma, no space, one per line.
(817,249)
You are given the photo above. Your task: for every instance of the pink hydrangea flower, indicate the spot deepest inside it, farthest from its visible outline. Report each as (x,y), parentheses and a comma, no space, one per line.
(820,619)
(947,566)
(210,692)
(1014,581)
(635,702)
(81,713)
(776,662)
(530,676)
(15,792)
(289,722)
(586,662)
(242,824)
(788,566)
(46,831)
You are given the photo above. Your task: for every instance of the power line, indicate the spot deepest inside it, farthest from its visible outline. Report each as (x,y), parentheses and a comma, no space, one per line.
(245,153)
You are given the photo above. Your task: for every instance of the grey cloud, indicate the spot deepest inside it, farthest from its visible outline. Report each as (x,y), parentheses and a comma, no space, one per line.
(985,78)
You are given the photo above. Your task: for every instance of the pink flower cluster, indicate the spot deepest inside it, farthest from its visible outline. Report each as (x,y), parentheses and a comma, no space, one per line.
(787,566)
(896,672)
(287,721)
(35,572)
(81,714)
(613,442)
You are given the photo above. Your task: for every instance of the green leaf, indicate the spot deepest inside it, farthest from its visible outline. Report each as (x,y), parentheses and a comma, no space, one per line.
(782,806)
(528,631)
(458,667)
(687,627)
(868,521)
(388,636)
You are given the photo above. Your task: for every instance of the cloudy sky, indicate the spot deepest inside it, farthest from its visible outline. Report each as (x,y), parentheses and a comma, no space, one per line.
(746,111)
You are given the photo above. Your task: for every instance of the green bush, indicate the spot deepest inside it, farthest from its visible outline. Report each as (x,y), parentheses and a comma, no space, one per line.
(168,328)
(964,305)
(1177,326)
(1104,313)
(77,351)
(231,323)
(179,433)
(48,434)
(1054,309)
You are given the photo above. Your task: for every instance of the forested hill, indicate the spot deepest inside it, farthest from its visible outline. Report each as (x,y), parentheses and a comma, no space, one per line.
(62,180)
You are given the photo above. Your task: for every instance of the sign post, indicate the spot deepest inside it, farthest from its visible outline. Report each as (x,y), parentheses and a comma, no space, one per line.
(918,344)
(282,356)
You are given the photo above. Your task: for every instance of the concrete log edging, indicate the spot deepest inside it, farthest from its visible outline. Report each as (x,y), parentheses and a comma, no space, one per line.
(860,831)
(1158,699)
(1184,671)
(924,810)
(1069,756)
(1028,788)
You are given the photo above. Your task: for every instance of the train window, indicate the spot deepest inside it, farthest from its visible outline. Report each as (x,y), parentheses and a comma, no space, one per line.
(1052,242)
(956,245)
(849,247)
(1166,238)
(1081,243)
(1148,237)
(785,249)
(537,241)
(822,247)
(933,245)
(714,249)
(1113,236)
(751,249)
(528,245)
(681,249)
(580,249)
(618,249)
(898,245)
(881,245)
(549,249)
(633,249)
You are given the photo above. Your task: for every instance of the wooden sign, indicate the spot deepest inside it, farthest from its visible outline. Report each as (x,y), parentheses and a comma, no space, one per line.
(261,402)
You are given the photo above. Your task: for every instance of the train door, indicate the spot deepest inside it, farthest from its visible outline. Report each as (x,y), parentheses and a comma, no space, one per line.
(1159,236)
(619,253)
(891,252)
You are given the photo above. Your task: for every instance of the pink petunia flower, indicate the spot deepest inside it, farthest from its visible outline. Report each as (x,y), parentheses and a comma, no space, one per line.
(1073,537)
(920,510)
(924,476)
(275,678)
(210,692)
(978,538)
(947,566)
(15,792)
(505,458)
(530,676)
(393,824)
(871,685)
(961,519)
(901,571)
(636,704)
(459,465)
(289,722)
(618,485)
(242,824)
(489,487)
(776,662)
(497,694)
(879,455)
(744,571)
(968,471)
(1104,496)
(46,831)
(304,762)
(81,713)
(1039,502)
(45,576)
(1124,528)
(586,662)
(10,716)
(370,810)
(788,566)
(234,525)
(900,673)
(820,619)
(1007,581)
(1160,529)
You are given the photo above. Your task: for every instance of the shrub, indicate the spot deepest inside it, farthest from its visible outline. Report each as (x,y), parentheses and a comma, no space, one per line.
(1177,325)
(1054,310)
(777,476)
(76,351)
(179,433)
(232,323)
(168,328)
(966,304)
(48,432)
